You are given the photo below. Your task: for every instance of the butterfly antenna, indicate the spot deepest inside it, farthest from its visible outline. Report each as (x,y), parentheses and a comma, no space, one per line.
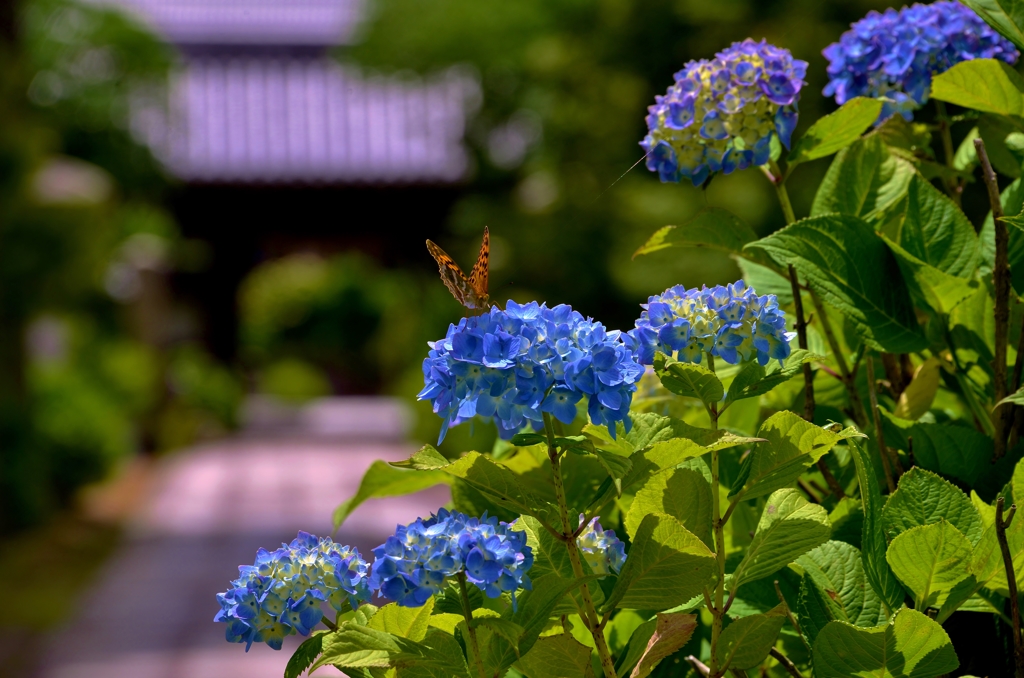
(642,158)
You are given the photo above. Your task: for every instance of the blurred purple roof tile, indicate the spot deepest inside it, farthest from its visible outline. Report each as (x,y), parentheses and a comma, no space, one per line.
(232,22)
(269,119)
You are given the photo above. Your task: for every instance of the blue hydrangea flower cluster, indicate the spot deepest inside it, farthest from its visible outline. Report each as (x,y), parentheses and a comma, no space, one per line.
(895,54)
(602,550)
(515,364)
(420,558)
(731,323)
(720,115)
(281,593)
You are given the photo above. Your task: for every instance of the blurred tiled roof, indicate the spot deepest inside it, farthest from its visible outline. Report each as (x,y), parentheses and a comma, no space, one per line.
(259,100)
(267,119)
(266,22)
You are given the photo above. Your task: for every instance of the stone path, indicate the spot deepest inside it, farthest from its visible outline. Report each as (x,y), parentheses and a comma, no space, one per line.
(150,613)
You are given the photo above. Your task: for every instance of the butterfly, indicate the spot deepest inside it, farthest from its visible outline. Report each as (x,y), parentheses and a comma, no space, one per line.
(471,292)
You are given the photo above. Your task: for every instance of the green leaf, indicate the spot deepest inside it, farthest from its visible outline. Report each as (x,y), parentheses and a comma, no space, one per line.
(930,560)
(919,394)
(712,227)
(837,130)
(1006,16)
(1015,398)
(837,570)
(911,646)
(986,85)
(615,464)
(689,379)
(534,609)
(445,659)
(426,459)
(745,642)
(789,527)
(357,646)
(666,566)
(850,266)
(560,656)
(681,493)
(649,429)
(996,131)
(527,439)
(966,157)
(923,498)
(865,180)
(931,288)
(509,630)
(765,280)
(304,656)
(950,449)
(937,232)
(496,481)
(1016,232)
(384,480)
(873,542)
(816,607)
(404,622)
(987,560)
(753,380)
(791,446)
(671,632)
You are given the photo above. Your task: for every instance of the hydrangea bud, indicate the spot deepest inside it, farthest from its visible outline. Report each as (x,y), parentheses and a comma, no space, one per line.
(730,322)
(895,54)
(602,550)
(281,593)
(420,558)
(513,365)
(721,114)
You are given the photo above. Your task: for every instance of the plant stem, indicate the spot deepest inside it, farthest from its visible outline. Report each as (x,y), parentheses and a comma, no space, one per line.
(329,624)
(883,451)
(779,182)
(801,334)
(718,611)
(468,614)
(698,666)
(859,416)
(1011,580)
(785,663)
(952,185)
(1001,282)
(590,616)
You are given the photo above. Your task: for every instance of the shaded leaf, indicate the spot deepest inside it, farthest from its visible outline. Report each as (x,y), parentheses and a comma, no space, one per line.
(837,130)
(865,180)
(560,656)
(947,448)
(836,569)
(850,266)
(911,646)
(937,232)
(384,480)
(304,656)
(712,227)
(931,288)
(753,380)
(745,643)
(1006,16)
(670,634)
(873,542)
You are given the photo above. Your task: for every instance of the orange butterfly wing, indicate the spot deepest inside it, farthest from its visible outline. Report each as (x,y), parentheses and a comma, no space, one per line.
(451,275)
(471,292)
(481,269)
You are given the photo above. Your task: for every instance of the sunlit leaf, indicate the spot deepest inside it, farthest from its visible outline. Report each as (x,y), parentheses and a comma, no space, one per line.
(986,85)
(837,130)
(712,227)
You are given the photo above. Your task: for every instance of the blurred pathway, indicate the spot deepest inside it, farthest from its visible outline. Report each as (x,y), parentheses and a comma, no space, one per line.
(150,613)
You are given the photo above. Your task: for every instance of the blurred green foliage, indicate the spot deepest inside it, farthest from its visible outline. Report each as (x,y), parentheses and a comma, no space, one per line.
(81,383)
(565,86)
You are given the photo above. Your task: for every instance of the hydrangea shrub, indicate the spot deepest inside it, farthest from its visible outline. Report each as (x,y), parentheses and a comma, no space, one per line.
(807,472)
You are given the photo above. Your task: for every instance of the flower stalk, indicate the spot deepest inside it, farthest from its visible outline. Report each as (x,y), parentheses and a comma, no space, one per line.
(590,616)
(467,612)
(719,609)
